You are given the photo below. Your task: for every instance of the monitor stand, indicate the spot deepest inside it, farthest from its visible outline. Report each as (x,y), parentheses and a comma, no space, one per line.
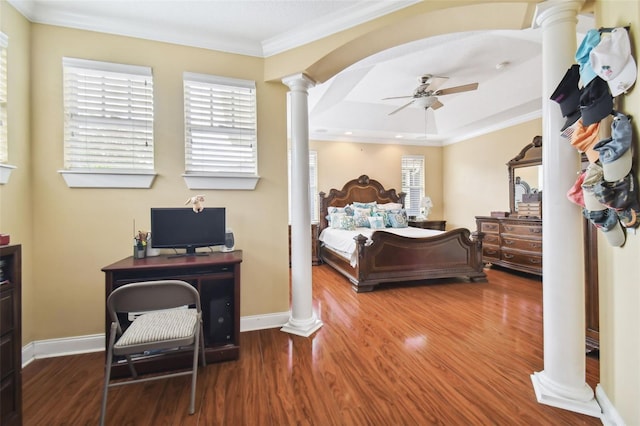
(191,251)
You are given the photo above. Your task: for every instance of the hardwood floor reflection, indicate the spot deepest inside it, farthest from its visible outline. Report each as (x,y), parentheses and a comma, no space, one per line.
(449,353)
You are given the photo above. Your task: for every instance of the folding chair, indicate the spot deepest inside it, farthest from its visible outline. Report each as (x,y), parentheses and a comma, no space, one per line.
(167,316)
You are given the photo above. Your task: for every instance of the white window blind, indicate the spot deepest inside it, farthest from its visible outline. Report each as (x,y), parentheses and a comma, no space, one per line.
(4,43)
(220,125)
(108,116)
(413,182)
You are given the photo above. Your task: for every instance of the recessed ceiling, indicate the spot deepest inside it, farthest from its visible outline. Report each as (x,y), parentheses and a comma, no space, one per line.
(352,100)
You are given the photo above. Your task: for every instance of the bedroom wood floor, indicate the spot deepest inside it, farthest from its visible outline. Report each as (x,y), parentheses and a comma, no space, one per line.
(445,353)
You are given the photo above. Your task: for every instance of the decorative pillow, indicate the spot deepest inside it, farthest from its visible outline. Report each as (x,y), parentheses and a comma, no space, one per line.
(335,218)
(361,216)
(371,205)
(398,218)
(390,206)
(384,214)
(347,223)
(348,210)
(376,222)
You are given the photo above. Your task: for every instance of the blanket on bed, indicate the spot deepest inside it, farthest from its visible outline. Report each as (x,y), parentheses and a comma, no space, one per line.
(342,241)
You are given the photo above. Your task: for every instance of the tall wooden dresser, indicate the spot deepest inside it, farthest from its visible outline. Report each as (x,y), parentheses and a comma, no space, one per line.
(512,242)
(10,335)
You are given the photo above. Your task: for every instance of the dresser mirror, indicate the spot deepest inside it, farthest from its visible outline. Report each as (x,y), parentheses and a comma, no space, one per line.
(525,173)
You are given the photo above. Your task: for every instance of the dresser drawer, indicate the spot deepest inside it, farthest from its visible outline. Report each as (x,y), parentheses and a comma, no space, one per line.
(490,227)
(490,252)
(534,229)
(528,260)
(529,245)
(491,239)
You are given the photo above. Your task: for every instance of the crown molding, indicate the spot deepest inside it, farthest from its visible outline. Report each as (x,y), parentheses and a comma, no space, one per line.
(43,12)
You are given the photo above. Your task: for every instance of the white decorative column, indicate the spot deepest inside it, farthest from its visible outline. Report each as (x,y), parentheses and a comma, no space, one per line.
(562,382)
(303,320)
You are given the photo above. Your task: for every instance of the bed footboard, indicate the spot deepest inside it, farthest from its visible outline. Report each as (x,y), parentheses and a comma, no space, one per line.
(394,258)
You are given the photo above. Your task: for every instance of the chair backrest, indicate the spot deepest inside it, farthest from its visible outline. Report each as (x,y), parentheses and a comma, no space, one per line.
(152,295)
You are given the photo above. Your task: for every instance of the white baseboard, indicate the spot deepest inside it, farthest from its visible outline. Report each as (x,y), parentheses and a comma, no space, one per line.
(610,416)
(95,342)
(263,322)
(61,347)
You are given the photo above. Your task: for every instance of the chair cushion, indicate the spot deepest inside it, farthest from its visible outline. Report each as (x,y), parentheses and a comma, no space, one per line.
(159,326)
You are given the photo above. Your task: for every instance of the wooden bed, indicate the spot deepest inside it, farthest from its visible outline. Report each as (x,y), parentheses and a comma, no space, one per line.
(393,258)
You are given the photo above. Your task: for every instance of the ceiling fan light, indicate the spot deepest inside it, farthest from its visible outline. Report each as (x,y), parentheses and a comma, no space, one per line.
(425,102)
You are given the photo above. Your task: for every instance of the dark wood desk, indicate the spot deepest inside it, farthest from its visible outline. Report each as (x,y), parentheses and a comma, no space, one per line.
(438,225)
(217,278)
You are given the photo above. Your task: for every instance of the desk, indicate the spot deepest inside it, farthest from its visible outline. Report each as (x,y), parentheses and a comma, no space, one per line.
(217,278)
(438,225)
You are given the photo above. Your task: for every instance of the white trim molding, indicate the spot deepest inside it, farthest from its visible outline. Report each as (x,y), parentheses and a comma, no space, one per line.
(107,179)
(5,173)
(49,348)
(610,416)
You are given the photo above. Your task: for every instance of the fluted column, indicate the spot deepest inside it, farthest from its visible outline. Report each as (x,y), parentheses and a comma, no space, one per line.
(303,320)
(562,382)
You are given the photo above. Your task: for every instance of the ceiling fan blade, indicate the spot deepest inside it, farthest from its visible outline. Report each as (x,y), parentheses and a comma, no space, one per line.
(456,89)
(434,82)
(437,104)
(402,107)
(397,97)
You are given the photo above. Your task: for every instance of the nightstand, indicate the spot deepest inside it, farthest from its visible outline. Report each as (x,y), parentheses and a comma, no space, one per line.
(438,225)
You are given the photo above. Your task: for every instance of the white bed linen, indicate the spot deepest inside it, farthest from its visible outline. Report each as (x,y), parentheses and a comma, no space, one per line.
(342,241)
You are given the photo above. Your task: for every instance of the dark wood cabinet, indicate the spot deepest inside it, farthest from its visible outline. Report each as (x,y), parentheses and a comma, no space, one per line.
(438,225)
(10,335)
(217,278)
(514,243)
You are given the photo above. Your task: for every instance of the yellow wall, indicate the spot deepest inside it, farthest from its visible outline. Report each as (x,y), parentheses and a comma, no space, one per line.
(619,269)
(16,197)
(339,162)
(79,231)
(475,174)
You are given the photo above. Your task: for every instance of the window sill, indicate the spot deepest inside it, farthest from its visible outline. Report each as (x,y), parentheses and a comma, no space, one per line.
(5,173)
(203,181)
(107,179)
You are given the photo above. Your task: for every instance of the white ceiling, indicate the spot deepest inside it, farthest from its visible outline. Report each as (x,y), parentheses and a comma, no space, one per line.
(351,101)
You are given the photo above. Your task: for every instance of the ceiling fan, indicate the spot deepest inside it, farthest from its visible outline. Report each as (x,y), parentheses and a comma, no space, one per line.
(425,95)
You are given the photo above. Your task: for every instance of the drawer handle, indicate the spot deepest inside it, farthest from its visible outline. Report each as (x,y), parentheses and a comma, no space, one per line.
(535,230)
(491,251)
(509,242)
(508,228)
(535,245)
(535,261)
(509,256)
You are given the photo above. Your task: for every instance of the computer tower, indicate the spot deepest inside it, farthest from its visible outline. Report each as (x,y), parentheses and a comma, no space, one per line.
(220,320)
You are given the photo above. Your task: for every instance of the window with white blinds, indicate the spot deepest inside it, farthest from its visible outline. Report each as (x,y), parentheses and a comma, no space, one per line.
(4,42)
(413,182)
(313,185)
(108,116)
(220,125)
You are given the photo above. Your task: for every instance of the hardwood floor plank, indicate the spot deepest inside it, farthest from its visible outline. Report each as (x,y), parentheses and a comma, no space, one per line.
(446,353)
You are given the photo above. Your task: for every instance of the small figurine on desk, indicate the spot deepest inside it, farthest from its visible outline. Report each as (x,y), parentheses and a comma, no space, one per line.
(197,201)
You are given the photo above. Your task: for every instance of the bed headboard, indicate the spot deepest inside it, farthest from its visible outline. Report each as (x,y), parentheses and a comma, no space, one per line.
(361,189)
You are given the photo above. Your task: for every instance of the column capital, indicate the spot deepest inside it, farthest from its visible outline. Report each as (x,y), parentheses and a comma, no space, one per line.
(552,11)
(299,81)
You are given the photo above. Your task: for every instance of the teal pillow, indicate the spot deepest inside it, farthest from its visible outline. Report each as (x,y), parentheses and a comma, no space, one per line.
(342,221)
(398,218)
(376,222)
(371,206)
(361,215)
(384,214)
